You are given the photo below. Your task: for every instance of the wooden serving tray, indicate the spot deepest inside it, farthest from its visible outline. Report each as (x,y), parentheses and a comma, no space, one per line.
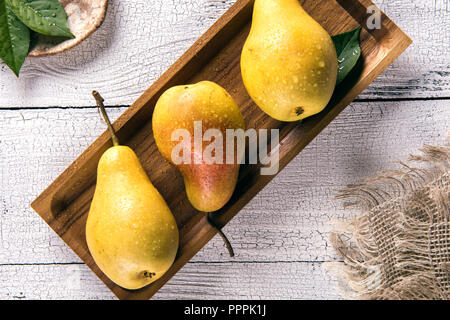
(64,205)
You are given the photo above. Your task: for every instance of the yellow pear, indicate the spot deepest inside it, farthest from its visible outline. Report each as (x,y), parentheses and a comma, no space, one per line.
(130,231)
(288,62)
(208,185)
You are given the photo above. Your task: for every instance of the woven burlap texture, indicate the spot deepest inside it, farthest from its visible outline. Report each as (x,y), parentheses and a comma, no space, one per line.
(398,248)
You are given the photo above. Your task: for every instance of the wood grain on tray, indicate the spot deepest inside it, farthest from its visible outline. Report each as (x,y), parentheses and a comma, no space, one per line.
(215,56)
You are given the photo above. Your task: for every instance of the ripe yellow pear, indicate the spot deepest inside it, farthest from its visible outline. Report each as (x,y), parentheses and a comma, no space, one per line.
(130,231)
(288,62)
(208,185)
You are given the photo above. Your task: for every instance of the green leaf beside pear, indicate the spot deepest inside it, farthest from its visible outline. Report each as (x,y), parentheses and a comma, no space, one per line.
(348,52)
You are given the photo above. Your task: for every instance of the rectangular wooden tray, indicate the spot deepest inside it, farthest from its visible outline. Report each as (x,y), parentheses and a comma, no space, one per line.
(64,205)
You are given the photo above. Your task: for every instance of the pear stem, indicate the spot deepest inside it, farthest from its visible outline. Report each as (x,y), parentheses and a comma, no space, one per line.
(224,237)
(101,106)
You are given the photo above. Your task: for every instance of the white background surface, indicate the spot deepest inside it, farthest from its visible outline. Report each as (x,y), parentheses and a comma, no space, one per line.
(47,118)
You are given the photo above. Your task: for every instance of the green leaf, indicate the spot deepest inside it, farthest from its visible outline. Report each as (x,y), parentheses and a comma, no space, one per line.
(14,39)
(348,52)
(43,16)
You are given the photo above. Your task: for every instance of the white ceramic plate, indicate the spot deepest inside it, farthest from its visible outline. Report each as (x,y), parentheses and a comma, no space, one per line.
(83,18)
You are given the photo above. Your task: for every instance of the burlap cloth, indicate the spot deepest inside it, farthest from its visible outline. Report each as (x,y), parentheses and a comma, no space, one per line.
(399,247)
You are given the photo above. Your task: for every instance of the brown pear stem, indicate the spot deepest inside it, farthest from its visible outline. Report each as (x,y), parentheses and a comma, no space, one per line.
(101,106)
(224,237)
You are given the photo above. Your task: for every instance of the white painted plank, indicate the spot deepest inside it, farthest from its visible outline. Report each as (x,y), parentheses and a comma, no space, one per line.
(423,70)
(140,39)
(35,282)
(294,280)
(287,221)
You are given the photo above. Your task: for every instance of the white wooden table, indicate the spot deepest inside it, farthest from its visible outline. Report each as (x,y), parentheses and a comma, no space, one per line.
(47,118)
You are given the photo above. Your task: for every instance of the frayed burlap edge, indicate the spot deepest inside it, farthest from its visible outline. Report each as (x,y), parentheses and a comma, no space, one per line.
(399,248)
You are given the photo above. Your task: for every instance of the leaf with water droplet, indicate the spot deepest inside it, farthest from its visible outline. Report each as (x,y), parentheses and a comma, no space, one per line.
(43,16)
(14,39)
(348,51)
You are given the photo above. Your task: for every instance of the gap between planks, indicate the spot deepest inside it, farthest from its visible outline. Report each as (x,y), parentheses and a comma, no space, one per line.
(126,106)
(191,262)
